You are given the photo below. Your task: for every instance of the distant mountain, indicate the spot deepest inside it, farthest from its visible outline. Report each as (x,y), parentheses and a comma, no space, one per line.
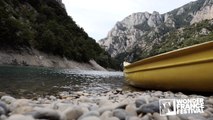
(143,34)
(44,25)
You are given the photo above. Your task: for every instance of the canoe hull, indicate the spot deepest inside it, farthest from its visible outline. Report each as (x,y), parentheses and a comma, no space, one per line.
(189,69)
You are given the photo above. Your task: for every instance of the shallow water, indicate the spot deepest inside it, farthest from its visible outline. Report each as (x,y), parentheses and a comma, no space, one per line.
(27,81)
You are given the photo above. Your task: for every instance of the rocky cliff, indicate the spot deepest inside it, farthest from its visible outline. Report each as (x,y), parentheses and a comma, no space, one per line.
(144,34)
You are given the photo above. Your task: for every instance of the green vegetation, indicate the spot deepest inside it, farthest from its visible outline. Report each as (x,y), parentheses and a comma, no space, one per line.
(194,34)
(185,18)
(45,25)
(174,39)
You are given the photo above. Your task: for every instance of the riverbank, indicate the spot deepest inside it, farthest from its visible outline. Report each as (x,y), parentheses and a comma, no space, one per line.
(111,105)
(36,58)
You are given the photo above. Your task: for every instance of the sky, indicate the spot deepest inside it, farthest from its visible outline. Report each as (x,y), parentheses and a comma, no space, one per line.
(98,17)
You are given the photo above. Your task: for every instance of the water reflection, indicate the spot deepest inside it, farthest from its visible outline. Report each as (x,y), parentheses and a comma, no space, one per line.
(38,81)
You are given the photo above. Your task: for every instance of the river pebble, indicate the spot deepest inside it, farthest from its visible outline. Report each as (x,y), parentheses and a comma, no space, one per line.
(7,99)
(119,113)
(112,105)
(89,114)
(46,113)
(149,108)
(3,108)
(20,117)
(73,113)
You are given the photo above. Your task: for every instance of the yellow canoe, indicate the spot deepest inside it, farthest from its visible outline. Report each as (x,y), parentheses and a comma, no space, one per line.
(186,69)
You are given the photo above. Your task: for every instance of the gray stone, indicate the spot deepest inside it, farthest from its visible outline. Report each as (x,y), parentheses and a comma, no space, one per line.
(53,98)
(93,107)
(210,110)
(3,117)
(183,96)
(140,102)
(153,99)
(149,108)
(207,114)
(91,118)
(105,108)
(131,110)
(211,118)
(73,113)
(173,117)
(84,109)
(20,117)
(156,116)
(85,99)
(45,113)
(119,113)
(169,94)
(134,118)
(22,110)
(122,106)
(191,117)
(61,106)
(89,114)
(2,112)
(19,103)
(7,99)
(118,91)
(147,117)
(209,101)
(112,118)
(157,94)
(106,115)
(104,102)
(3,108)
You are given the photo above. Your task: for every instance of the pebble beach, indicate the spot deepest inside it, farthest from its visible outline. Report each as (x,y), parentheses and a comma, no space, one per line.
(111,105)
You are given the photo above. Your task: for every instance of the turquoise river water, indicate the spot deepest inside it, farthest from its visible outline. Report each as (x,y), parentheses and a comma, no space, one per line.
(28,81)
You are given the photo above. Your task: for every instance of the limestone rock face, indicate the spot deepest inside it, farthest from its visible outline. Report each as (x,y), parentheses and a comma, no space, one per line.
(137,34)
(125,34)
(206,12)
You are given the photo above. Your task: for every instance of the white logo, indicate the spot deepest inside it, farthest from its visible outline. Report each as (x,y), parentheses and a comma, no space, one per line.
(181,106)
(167,107)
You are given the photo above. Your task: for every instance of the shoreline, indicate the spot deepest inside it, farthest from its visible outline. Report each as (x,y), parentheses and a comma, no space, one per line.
(112,105)
(39,59)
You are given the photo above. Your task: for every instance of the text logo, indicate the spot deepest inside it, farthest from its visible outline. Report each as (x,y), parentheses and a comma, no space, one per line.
(181,106)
